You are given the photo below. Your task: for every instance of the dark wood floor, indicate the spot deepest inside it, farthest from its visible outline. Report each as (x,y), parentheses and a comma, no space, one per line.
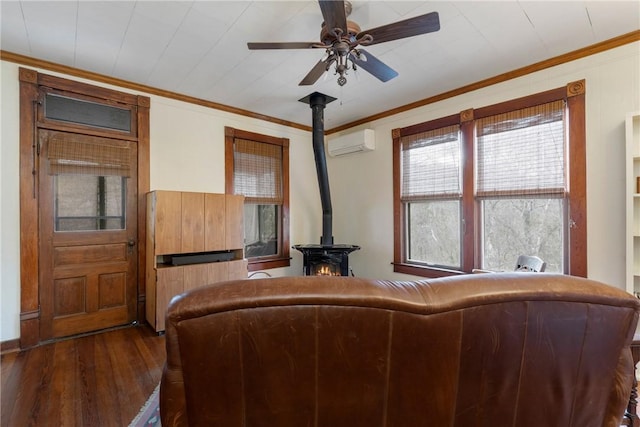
(96,380)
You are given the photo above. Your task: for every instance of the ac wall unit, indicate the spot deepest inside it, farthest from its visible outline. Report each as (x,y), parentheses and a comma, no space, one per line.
(362,140)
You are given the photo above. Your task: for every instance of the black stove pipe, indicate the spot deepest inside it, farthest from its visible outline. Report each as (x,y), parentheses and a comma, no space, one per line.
(318,101)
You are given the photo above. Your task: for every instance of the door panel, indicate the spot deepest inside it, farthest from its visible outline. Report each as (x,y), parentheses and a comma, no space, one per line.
(88,231)
(70,255)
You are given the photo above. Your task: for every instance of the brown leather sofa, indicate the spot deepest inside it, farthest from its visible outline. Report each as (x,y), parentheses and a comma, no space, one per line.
(512,349)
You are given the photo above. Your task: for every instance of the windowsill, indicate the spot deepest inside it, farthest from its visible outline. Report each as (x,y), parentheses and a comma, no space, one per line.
(265,264)
(424,271)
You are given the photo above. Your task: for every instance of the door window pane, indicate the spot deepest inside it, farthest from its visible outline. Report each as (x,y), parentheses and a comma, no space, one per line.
(522,226)
(89,202)
(433,229)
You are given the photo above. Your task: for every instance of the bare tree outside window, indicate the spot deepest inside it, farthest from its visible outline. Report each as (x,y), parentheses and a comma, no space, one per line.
(434,233)
(513,227)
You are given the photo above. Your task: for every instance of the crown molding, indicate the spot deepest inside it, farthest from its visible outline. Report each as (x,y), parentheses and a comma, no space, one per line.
(96,77)
(615,42)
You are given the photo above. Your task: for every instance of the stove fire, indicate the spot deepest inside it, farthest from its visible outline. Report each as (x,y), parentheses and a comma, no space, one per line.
(326,270)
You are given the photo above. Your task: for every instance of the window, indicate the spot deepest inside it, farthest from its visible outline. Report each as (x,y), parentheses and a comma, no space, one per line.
(90,181)
(476,190)
(521,186)
(257,166)
(431,192)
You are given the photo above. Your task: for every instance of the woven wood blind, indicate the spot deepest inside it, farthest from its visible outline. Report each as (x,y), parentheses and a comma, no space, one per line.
(80,154)
(431,164)
(522,152)
(257,170)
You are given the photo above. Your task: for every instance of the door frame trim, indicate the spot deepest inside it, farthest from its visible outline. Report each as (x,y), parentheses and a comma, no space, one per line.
(30,81)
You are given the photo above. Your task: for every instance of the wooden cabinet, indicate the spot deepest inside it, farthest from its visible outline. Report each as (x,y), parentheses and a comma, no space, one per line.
(214,215)
(197,225)
(234,211)
(166,221)
(632,195)
(192,232)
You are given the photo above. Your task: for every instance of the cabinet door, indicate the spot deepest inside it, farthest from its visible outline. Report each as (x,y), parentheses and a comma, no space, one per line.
(214,223)
(192,222)
(238,269)
(218,271)
(234,219)
(168,218)
(195,276)
(170,283)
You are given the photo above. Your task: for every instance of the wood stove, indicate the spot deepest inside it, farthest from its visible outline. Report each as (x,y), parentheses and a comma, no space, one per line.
(327,258)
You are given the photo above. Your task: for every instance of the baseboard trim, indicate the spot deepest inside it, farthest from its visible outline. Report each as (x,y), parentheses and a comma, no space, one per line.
(9,346)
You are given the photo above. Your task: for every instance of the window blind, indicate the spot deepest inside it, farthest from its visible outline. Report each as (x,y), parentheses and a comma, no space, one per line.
(431,164)
(257,170)
(85,155)
(522,152)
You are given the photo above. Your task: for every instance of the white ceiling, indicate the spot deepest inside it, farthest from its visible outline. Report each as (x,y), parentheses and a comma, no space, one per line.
(199,48)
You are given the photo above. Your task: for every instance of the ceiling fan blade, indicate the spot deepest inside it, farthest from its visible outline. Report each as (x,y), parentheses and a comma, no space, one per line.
(408,28)
(319,69)
(283,45)
(374,66)
(333,14)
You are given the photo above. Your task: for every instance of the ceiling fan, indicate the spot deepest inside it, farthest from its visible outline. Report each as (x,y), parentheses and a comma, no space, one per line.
(341,40)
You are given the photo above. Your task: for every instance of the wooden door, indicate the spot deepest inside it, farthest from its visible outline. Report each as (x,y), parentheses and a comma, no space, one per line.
(88,233)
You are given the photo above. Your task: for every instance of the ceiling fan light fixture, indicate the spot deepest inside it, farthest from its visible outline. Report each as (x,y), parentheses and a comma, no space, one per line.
(340,38)
(344,62)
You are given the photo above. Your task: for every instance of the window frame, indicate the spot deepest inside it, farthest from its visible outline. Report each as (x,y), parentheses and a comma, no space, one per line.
(575,251)
(283,259)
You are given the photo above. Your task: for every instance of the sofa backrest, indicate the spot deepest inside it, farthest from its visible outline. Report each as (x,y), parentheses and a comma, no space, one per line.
(512,349)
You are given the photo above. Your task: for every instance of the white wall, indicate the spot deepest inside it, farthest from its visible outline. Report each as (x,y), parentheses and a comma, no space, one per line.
(187,153)
(363,209)
(9,205)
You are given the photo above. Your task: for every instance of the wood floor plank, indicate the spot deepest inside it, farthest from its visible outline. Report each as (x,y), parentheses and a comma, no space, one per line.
(87,381)
(95,380)
(125,366)
(105,382)
(63,402)
(33,372)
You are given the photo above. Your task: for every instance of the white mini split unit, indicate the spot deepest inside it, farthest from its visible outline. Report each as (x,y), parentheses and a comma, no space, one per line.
(362,140)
